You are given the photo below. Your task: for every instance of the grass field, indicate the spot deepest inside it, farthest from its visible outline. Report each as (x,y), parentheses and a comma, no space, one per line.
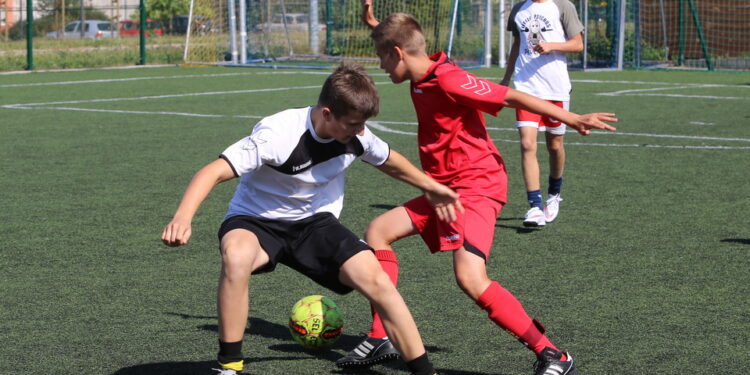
(646,271)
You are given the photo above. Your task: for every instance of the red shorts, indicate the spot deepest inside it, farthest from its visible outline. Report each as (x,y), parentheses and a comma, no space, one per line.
(526,118)
(480,216)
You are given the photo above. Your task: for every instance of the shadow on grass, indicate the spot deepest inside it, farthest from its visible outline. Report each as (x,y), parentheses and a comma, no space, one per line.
(520,229)
(744,241)
(292,351)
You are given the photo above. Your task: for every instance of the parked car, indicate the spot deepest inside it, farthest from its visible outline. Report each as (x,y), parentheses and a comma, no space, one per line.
(133,28)
(294,22)
(92,29)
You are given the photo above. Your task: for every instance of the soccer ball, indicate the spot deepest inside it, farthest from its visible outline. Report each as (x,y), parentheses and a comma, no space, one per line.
(316,322)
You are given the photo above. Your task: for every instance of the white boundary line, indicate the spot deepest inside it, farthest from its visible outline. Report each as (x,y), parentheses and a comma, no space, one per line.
(379,125)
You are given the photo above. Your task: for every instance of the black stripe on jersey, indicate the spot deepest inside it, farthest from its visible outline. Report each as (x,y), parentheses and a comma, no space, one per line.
(310,152)
(432,74)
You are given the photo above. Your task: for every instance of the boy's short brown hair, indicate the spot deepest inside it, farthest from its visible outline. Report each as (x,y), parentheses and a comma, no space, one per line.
(402,30)
(350,89)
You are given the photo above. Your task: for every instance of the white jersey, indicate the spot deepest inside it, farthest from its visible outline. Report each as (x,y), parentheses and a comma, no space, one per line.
(544,76)
(287,172)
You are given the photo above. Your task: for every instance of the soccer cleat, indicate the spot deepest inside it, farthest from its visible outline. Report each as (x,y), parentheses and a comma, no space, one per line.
(369,352)
(534,218)
(552,208)
(549,363)
(224,371)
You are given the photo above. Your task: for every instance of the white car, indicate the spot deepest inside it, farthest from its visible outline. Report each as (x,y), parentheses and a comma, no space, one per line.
(294,22)
(92,29)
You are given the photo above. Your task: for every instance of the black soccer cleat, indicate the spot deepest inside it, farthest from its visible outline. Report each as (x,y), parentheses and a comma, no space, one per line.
(369,352)
(549,363)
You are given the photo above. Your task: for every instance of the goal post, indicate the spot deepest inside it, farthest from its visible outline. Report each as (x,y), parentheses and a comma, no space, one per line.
(320,33)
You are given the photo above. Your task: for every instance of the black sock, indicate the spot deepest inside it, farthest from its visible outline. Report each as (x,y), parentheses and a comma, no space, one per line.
(421,366)
(229,352)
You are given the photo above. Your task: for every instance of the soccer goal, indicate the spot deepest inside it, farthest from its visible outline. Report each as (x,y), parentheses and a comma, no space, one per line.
(319,33)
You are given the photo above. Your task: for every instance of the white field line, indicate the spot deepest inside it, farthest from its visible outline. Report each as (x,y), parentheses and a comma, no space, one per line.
(700,138)
(374,124)
(379,125)
(650,92)
(110,80)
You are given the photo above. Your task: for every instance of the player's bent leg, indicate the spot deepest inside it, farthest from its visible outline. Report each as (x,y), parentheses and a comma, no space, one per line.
(471,273)
(241,254)
(389,228)
(363,273)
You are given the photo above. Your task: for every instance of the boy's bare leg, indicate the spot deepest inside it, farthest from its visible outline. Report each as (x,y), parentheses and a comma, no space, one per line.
(556,151)
(363,273)
(240,255)
(529,162)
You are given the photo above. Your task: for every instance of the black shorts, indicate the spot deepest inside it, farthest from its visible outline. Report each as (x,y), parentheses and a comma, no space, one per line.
(315,246)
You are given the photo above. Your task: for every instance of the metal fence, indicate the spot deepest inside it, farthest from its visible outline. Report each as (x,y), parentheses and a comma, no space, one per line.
(694,34)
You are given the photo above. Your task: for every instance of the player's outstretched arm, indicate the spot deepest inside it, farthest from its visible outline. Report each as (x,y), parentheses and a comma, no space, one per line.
(581,123)
(368,15)
(178,231)
(441,197)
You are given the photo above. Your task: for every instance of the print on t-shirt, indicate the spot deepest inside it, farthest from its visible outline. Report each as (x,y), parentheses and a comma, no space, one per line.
(534,26)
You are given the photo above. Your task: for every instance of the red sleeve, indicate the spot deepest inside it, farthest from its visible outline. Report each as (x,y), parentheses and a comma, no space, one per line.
(466,89)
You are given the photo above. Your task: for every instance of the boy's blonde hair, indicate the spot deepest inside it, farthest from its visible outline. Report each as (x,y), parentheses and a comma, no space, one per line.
(402,30)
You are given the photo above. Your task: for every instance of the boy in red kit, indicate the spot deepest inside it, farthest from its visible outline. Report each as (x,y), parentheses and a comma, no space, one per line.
(455,149)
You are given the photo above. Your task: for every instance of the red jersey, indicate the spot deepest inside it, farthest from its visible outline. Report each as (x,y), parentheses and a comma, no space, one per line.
(454,147)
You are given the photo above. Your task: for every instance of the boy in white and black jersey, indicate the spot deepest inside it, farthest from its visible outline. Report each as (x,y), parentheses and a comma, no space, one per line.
(291,171)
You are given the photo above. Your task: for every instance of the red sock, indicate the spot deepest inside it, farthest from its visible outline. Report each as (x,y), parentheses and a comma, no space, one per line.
(505,310)
(388,261)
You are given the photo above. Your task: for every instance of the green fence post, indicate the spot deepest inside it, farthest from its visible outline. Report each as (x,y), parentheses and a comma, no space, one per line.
(142,33)
(681,33)
(704,42)
(329,26)
(29,35)
(637,34)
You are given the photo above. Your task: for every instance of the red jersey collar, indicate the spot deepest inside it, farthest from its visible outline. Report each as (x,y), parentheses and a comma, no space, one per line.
(439,58)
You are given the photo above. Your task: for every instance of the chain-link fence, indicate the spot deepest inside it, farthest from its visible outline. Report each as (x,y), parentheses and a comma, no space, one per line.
(697,34)
(82,34)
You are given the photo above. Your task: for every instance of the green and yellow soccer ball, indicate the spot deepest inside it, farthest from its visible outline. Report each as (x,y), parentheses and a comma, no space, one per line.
(316,322)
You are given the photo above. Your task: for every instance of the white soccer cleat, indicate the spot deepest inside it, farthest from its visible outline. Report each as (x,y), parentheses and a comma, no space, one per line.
(534,218)
(224,371)
(552,208)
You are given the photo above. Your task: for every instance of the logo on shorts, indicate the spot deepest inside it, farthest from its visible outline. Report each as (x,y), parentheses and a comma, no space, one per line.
(454,237)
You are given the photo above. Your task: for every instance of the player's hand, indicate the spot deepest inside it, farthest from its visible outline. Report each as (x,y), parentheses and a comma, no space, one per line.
(596,120)
(445,201)
(542,48)
(176,233)
(368,14)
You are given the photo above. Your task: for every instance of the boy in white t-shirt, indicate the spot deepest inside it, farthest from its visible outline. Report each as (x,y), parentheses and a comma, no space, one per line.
(286,206)
(543,32)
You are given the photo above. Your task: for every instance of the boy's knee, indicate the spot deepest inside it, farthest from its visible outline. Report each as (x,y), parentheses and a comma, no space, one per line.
(528,145)
(471,284)
(235,264)
(378,284)
(375,231)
